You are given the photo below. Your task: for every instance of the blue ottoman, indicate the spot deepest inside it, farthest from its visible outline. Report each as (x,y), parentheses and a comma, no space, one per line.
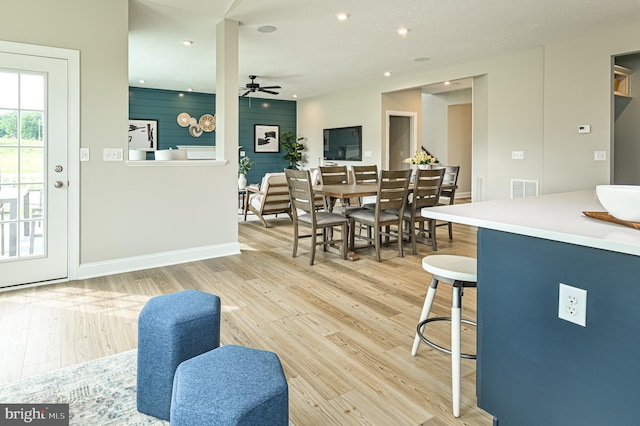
(171,329)
(231,385)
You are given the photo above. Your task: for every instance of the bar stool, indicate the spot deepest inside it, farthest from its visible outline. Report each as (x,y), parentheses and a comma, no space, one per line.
(460,272)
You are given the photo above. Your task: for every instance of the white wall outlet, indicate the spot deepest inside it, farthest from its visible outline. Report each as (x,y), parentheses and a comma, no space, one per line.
(367,154)
(572,304)
(517,155)
(112,154)
(600,155)
(584,128)
(84,154)
(243,153)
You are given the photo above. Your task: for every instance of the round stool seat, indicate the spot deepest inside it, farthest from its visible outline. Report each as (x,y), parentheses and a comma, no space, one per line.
(451,268)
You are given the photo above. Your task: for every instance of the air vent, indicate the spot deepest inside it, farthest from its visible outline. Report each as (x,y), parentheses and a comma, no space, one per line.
(521,188)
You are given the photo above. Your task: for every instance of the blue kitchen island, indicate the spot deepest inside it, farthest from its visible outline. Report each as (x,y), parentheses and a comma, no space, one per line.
(533,367)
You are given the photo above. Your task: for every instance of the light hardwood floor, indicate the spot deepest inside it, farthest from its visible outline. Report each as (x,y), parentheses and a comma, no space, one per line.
(343,330)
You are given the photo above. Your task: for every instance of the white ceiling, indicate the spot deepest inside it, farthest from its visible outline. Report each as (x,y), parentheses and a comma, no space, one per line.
(312,53)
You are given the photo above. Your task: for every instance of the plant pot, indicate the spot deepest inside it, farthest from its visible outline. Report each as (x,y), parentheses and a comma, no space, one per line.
(242,181)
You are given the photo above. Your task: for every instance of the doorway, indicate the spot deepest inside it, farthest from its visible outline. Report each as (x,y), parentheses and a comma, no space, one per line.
(36,120)
(401,137)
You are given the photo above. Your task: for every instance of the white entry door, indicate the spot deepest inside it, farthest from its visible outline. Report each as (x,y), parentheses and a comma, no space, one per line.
(33,169)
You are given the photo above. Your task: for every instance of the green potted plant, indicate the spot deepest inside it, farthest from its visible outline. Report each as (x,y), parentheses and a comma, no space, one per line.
(244,166)
(293,148)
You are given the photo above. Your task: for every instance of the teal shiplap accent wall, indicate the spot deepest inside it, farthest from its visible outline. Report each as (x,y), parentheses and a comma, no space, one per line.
(165,105)
(266,112)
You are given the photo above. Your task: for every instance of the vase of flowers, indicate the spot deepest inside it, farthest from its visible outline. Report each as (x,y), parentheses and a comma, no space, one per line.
(422,159)
(244,166)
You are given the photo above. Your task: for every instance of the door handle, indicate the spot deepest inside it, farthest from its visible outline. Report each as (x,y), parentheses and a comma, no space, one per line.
(58,184)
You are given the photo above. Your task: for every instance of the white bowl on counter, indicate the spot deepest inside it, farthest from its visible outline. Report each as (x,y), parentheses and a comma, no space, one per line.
(170,154)
(620,201)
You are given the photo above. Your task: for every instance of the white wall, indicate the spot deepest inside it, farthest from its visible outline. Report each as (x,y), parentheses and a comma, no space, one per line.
(355,108)
(512,110)
(434,119)
(578,87)
(133,213)
(531,101)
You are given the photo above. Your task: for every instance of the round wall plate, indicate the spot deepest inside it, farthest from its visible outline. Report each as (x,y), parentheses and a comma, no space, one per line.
(195,131)
(183,119)
(207,123)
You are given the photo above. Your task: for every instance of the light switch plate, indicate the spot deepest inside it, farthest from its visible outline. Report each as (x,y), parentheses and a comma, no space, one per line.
(517,155)
(584,128)
(600,155)
(112,154)
(84,154)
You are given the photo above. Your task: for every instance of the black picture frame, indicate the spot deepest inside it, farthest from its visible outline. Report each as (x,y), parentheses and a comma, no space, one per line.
(266,138)
(143,134)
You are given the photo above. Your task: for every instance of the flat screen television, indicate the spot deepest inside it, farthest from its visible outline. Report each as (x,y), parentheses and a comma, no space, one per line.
(343,143)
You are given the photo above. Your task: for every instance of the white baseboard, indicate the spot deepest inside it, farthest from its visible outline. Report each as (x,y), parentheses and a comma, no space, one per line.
(156,260)
(463,194)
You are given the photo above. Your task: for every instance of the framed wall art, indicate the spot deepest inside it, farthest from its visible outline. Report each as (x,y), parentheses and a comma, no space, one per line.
(267,138)
(143,135)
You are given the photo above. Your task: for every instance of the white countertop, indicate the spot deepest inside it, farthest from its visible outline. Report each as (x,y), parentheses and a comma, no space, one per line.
(556,217)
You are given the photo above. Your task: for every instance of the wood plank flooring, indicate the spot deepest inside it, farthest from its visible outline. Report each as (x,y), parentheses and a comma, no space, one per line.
(343,330)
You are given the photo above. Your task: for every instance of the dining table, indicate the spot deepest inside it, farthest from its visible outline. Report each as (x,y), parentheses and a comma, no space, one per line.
(345,191)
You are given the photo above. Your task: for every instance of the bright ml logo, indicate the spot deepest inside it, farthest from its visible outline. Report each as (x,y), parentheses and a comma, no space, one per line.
(34,414)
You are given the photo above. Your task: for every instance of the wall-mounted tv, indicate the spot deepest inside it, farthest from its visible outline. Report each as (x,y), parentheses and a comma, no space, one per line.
(344,143)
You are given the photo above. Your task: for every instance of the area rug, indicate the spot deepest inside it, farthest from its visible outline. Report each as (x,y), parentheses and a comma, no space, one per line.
(100,392)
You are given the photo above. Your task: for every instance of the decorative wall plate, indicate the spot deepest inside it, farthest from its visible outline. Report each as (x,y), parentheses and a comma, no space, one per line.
(195,131)
(207,123)
(183,119)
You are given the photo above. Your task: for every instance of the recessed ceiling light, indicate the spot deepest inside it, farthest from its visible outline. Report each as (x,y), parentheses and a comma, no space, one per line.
(142,81)
(187,42)
(342,16)
(295,96)
(387,74)
(181,95)
(422,59)
(267,29)
(403,31)
(189,89)
(446,83)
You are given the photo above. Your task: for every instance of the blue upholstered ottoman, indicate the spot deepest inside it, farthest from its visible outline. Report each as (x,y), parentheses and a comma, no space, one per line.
(231,385)
(172,328)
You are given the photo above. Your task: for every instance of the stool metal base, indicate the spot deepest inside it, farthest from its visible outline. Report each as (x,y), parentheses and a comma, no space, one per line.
(420,332)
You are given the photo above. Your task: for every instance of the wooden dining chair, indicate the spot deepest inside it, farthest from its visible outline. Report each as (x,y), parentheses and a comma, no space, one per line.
(302,200)
(425,193)
(392,194)
(337,175)
(448,193)
(366,174)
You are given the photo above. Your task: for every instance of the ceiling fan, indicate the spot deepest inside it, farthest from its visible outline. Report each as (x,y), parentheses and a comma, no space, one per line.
(255,87)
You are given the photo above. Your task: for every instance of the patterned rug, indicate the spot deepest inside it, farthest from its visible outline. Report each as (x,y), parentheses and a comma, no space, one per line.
(100,392)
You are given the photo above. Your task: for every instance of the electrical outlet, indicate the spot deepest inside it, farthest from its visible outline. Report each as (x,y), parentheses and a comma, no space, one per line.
(572,304)
(84,154)
(517,155)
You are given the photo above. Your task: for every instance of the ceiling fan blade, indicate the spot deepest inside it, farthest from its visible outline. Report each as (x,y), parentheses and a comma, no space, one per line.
(246,93)
(268,91)
(270,87)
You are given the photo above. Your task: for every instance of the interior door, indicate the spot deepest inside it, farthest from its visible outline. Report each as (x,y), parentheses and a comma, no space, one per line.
(33,169)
